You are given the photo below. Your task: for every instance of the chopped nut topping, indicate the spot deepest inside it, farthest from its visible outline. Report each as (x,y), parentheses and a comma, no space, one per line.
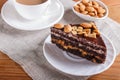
(96,31)
(59,26)
(93,35)
(80,29)
(74,32)
(80,33)
(88,31)
(94,27)
(74,28)
(85,29)
(67,28)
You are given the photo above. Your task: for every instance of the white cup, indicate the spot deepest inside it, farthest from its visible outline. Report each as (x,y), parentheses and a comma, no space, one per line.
(31,12)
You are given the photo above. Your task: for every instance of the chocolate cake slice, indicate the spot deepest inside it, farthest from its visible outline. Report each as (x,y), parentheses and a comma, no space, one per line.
(82,40)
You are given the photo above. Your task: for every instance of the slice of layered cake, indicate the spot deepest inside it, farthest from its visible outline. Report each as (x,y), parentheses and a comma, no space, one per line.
(82,40)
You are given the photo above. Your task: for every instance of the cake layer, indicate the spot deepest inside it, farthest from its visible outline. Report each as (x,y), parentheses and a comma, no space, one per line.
(77,51)
(96,52)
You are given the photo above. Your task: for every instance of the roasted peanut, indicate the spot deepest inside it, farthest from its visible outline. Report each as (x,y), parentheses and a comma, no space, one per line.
(85,1)
(93,35)
(100,15)
(95,3)
(86,25)
(74,28)
(59,26)
(84,12)
(101,10)
(67,28)
(74,32)
(96,31)
(90,9)
(77,8)
(91,14)
(82,8)
(88,31)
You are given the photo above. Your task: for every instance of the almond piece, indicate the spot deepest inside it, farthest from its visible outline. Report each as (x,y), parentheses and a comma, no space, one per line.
(58,26)
(67,28)
(86,25)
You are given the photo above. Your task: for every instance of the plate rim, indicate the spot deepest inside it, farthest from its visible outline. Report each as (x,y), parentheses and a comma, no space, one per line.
(31,29)
(83,74)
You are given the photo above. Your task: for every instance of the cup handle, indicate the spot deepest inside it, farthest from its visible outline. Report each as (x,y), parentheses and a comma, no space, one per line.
(52,8)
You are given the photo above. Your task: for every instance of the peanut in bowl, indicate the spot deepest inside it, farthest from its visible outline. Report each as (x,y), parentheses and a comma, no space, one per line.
(90,10)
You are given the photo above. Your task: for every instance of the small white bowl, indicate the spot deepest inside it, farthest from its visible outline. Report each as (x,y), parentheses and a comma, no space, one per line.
(88,17)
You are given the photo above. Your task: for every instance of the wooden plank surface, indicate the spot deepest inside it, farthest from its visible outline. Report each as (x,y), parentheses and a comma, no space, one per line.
(9,70)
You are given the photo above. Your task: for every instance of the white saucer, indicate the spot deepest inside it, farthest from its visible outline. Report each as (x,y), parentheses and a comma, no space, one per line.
(80,67)
(10,16)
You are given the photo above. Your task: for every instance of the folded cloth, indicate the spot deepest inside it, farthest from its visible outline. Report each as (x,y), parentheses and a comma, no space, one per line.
(25,47)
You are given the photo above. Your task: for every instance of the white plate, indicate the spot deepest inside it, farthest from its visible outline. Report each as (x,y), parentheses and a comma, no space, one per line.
(80,67)
(10,16)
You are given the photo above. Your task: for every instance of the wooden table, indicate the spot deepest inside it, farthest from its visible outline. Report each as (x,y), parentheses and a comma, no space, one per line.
(9,70)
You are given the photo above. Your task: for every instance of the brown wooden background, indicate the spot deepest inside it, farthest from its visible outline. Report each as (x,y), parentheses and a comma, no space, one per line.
(9,70)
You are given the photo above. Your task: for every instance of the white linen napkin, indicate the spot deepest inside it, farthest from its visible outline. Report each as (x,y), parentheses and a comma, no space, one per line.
(25,47)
